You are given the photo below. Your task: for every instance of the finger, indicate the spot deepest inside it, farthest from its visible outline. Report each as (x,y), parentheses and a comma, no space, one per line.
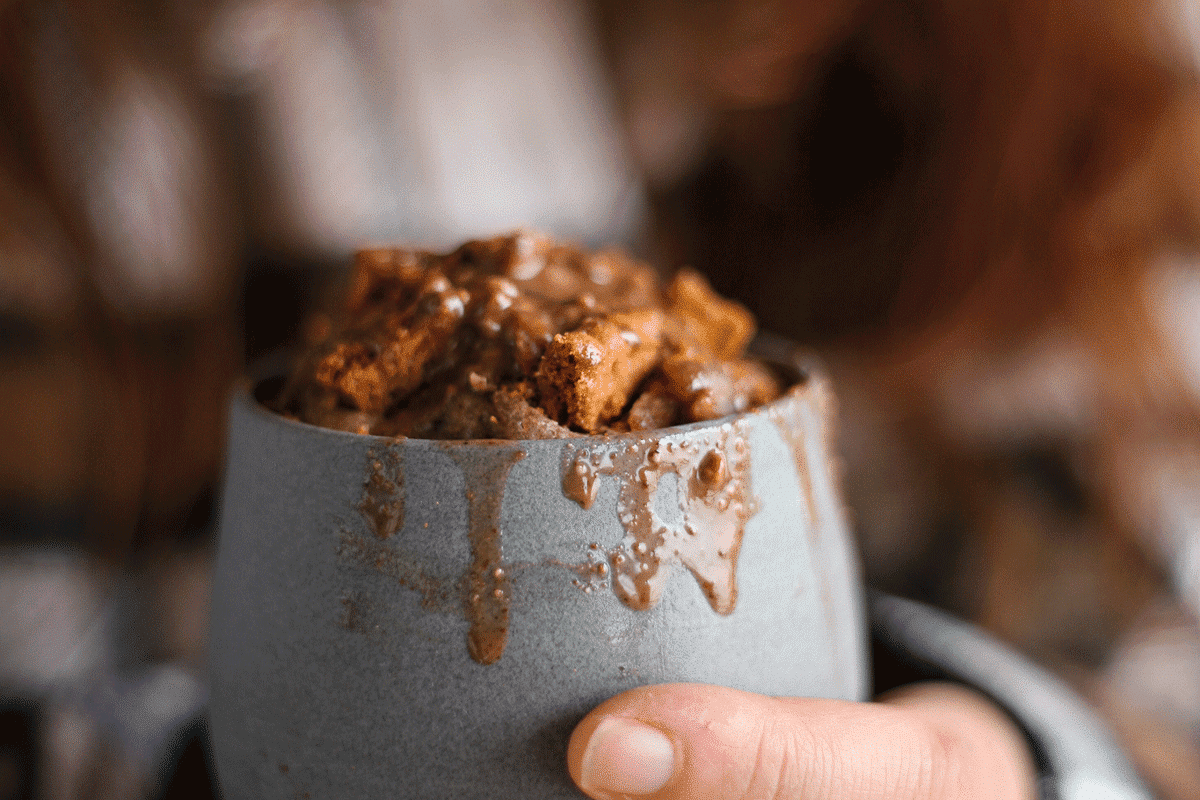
(692,742)
(965,719)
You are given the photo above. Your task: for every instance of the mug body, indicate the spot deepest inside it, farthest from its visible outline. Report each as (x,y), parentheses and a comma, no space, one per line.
(421,619)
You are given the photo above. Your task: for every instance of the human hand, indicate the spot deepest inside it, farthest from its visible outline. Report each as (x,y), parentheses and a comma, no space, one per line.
(694,742)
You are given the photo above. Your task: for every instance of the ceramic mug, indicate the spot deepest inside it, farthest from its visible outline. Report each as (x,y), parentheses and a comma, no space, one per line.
(429,619)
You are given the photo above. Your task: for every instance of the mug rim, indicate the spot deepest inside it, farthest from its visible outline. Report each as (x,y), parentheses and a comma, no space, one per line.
(802,367)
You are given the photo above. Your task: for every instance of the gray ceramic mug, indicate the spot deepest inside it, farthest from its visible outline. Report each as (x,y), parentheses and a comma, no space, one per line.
(418,619)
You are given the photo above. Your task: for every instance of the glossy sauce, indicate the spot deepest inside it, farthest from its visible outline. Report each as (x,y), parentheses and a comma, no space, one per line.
(382,503)
(486,584)
(714,501)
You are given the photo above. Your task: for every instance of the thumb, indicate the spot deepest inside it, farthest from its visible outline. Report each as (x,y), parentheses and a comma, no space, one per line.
(693,742)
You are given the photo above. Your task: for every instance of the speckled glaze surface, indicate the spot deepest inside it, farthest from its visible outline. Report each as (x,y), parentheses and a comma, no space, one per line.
(362,584)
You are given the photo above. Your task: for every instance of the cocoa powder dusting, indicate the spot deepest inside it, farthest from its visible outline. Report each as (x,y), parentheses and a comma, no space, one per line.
(487,592)
(714,498)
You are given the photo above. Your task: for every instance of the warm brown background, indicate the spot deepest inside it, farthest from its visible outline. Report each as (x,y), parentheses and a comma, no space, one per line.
(969,208)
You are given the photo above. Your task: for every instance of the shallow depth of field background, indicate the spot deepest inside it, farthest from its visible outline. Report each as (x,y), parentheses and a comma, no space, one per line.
(984,217)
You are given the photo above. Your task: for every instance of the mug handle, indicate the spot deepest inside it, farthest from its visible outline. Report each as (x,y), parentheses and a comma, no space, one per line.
(1077,755)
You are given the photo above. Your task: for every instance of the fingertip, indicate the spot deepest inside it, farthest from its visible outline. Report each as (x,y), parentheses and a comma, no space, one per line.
(615,752)
(625,757)
(577,744)
(660,740)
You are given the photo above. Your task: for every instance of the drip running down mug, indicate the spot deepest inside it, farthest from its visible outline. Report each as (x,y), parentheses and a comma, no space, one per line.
(426,619)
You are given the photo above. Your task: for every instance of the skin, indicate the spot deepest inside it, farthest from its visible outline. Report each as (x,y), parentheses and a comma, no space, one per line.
(690,742)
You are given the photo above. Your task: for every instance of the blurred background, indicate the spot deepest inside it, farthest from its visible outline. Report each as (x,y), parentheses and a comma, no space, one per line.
(985,217)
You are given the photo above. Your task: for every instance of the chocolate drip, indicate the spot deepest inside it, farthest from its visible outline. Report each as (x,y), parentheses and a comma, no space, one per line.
(788,417)
(581,480)
(714,499)
(367,552)
(382,503)
(788,421)
(486,583)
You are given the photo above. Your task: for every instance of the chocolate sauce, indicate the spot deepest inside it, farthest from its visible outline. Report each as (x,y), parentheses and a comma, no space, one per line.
(382,508)
(519,337)
(368,552)
(592,575)
(581,480)
(351,617)
(486,584)
(714,499)
(786,417)
(382,503)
